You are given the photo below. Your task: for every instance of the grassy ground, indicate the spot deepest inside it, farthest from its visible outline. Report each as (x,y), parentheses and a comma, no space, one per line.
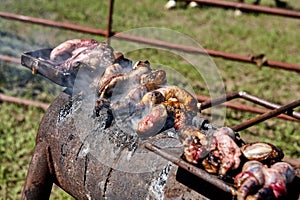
(213,28)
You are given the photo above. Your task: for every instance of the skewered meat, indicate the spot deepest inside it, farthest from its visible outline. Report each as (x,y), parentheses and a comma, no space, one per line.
(69,48)
(261,151)
(140,99)
(126,80)
(251,178)
(257,181)
(68,55)
(224,153)
(153,122)
(194,142)
(140,96)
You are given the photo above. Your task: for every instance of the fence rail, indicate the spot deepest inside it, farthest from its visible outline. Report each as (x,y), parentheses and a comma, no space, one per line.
(189,49)
(249,7)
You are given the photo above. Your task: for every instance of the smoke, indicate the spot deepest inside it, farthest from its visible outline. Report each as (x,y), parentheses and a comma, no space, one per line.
(16,80)
(119,146)
(202,64)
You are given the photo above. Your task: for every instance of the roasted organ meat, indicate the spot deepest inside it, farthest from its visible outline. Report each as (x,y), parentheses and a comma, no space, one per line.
(68,55)
(224,153)
(138,95)
(261,151)
(257,181)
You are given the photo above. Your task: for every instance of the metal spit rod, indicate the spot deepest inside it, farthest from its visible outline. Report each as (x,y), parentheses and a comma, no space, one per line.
(267,115)
(191,168)
(248,97)
(245,108)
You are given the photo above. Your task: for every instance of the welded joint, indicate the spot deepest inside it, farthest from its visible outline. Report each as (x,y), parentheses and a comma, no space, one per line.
(259,59)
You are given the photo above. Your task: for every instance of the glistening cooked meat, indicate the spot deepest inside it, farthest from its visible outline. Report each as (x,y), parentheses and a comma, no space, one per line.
(140,96)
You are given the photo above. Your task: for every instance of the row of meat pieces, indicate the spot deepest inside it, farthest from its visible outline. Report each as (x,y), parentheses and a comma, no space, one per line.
(141,97)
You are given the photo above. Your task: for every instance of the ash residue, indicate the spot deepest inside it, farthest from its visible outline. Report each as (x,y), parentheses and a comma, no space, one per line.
(122,136)
(70,107)
(118,129)
(157,186)
(104,119)
(118,132)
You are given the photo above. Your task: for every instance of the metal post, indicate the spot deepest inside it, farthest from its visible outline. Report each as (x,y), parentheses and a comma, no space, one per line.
(109,21)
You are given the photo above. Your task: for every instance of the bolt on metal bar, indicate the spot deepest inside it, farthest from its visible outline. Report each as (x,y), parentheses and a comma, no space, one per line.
(249,7)
(167,45)
(249,97)
(266,116)
(191,168)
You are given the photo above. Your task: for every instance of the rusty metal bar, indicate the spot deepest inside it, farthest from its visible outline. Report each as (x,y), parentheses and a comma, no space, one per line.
(267,104)
(249,97)
(191,168)
(214,53)
(266,116)
(109,21)
(25,102)
(167,45)
(51,23)
(10,59)
(249,7)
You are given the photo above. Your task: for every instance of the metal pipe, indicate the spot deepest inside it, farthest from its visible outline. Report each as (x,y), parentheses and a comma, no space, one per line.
(249,7)
(167,45)
(191,168)
(266,116)
(249,97)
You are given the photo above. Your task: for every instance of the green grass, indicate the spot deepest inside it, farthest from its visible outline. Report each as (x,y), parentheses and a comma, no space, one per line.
(212,28)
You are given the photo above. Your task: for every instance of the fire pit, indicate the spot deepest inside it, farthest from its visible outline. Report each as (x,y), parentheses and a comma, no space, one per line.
(92,148)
